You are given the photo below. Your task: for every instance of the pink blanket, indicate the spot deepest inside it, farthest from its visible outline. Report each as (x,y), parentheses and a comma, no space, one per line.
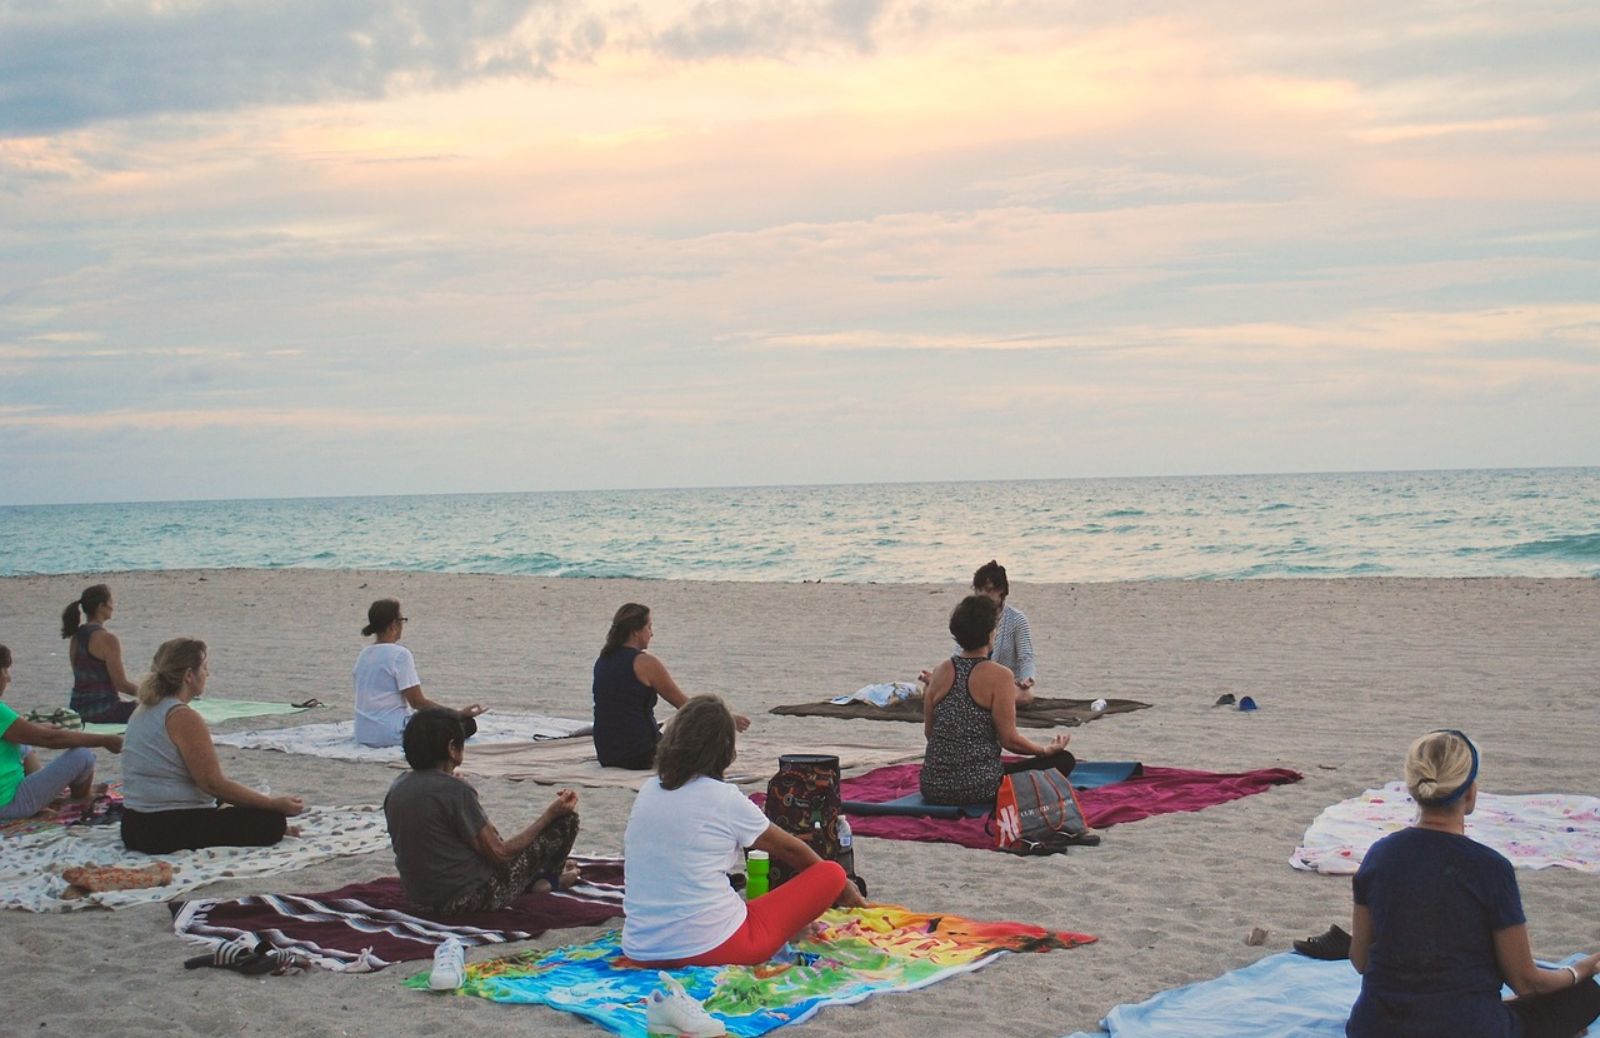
(1158,791)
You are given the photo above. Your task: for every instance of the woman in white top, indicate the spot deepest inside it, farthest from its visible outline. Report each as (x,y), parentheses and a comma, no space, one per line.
(687,828)
(388,690)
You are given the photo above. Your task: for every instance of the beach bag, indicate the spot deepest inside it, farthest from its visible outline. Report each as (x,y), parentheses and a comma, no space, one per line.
(1037,812)
(803,801)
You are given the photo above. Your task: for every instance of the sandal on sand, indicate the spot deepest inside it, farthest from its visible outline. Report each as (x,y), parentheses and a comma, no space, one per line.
(307,704)
(247,954)
(1329,946)
(61,717)
(1226,699)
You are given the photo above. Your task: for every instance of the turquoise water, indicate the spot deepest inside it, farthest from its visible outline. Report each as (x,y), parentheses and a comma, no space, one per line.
(1523,522)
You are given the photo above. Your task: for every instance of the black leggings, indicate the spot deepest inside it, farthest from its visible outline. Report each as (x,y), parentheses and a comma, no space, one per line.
(645,761)
(1559,1014)
(1062,760)
(162,832)
(104,711)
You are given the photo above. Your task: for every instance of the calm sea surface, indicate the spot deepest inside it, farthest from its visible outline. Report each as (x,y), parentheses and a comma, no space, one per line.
(1525,522)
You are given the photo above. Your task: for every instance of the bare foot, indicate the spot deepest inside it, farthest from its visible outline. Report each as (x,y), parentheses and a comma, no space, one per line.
(569,874)
(291,830)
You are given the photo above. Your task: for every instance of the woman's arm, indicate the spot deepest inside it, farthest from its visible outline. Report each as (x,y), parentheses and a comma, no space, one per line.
(940,680)
(26,733)
(104,644)
(417,701)
(1526,977)
(997,682)
(1360,937)
(653,674)
(489,844)
(793,852)
(193,740)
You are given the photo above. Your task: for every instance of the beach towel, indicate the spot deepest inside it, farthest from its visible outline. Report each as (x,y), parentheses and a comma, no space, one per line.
(1540,831)
(571,762)
(31,865)
(337,739)
(857,954)
(1087,775)
(1041,713)
(368,926)
(105,809)
(1157,791)
(1280,996)
(215,711)
(882,694)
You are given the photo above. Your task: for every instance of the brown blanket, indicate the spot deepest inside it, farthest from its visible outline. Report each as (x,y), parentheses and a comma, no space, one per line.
(1041,713)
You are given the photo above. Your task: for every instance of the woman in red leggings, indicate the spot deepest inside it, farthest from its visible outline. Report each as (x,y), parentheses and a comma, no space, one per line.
(688,827)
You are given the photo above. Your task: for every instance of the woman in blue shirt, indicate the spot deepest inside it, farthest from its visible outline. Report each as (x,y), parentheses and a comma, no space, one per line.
(1438,924)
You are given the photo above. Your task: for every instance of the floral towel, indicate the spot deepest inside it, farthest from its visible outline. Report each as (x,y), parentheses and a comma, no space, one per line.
(1535,832)
(337,739)
(31,865)
(856,954)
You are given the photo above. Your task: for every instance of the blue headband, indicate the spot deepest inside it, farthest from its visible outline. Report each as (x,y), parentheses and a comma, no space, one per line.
(1461,790)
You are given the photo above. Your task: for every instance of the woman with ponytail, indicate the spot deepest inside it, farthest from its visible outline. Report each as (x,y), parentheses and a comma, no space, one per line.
(627,682)
(387,688)
(172,783)
(1438,926)
(96,655)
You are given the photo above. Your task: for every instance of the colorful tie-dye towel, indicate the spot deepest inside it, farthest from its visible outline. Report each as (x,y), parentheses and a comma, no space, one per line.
(1535,832)
(854,955)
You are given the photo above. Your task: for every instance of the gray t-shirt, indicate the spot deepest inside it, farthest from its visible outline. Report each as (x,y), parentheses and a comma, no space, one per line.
(433,820)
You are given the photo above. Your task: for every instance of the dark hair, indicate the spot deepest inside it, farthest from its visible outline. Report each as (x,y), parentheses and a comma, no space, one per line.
(630,620)
(698,741)
(972,621)
(5,658)
(91,599)
(991,574)
(175,658)
(429,735)
(380,615)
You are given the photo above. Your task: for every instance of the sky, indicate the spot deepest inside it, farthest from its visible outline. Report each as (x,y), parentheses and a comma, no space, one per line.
(326,247)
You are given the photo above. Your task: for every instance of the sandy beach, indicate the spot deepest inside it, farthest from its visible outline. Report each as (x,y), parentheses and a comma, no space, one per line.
(1346,672)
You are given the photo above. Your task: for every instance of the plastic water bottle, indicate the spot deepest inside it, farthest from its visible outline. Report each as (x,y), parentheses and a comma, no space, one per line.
(1098,706)
(755,870)
(847,850)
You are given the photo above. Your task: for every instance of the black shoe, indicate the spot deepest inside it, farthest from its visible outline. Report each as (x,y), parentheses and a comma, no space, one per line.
(1329,947)
(1226,699)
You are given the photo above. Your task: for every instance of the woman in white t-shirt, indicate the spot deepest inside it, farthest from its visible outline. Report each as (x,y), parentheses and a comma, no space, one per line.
(686,830)
(388,690)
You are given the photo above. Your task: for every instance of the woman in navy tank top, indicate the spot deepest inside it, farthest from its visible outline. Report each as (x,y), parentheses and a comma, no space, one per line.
(627,683)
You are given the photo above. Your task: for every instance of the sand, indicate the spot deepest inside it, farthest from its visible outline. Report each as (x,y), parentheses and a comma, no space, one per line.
(1346,672)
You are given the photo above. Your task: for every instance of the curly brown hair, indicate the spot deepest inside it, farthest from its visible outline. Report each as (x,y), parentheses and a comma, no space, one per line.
(699,740)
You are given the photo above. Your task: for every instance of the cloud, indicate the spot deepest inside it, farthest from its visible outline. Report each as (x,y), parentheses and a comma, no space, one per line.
(317,420)
(767,28)
(68,63)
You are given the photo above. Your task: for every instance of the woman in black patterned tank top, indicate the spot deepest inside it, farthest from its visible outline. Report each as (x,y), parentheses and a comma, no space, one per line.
(970,714)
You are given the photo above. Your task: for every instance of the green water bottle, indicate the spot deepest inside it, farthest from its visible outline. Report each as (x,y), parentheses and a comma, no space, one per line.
(755,872)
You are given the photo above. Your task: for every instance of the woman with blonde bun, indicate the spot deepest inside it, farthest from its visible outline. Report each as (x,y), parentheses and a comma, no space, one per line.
(1438,927)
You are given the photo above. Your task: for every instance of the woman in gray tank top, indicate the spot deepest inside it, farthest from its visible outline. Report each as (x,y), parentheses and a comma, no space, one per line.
(172,785)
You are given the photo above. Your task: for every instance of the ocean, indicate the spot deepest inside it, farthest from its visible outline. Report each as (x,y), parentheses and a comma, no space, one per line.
(1470,523)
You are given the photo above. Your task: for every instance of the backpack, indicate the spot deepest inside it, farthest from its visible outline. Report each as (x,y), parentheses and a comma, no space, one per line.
(803,801)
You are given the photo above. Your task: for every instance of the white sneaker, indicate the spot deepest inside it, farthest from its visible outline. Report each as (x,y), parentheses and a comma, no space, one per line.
(674,1012)
(449,966)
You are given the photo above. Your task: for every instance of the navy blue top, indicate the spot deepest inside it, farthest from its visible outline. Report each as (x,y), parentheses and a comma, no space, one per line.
(624,710)
(1436,900)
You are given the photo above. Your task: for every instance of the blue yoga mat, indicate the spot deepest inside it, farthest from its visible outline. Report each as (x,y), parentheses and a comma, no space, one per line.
(1086,775)
(1280,996)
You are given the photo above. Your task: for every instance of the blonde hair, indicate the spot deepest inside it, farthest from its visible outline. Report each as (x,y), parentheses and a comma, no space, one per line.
(173,660)
(1437,765)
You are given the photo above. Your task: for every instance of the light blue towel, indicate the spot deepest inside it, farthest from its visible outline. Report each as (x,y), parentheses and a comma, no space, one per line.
(1280,996)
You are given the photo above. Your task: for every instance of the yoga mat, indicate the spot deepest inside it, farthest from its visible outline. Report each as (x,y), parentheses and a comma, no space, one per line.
(364,927)
(1041,713)
(1281,996)
(858,953)
(1540,831)
(215,711)
(337,739)
(1086,775)
(1158,791)
(31,864)
(571,762)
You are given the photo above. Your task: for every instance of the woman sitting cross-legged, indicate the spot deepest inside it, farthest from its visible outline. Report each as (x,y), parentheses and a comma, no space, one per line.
(26,786)
(970,711)
(1438,927)
(450,857)
(688,827)
(388,690)
(171,779)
